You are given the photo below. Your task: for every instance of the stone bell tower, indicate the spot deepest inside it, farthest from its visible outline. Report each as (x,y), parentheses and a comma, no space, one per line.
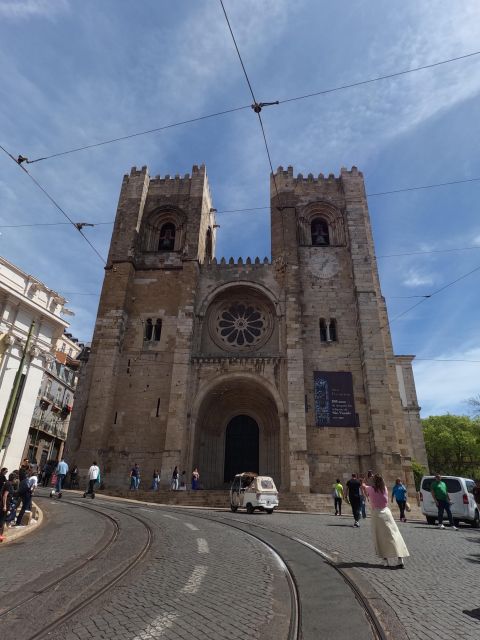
(138,370)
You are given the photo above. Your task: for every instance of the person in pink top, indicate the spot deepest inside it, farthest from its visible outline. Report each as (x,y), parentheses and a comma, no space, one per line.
(388,540)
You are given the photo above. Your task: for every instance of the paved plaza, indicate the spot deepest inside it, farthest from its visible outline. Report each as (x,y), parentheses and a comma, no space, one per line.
(203,579)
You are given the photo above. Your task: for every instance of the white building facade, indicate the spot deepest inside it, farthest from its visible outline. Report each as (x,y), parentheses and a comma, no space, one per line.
(24,300)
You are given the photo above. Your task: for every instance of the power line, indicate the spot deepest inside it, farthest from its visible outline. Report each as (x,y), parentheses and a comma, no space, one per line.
(51,224)
(416,253)
(22,158)
(76,225)
(256,106)
(134,135)
(449,284)
(445,360)
(378,78)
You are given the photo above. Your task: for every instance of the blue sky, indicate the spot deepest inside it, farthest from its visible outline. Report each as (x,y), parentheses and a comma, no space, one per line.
(75,72)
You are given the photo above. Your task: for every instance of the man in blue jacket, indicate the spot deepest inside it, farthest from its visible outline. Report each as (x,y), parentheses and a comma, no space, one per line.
(61,471)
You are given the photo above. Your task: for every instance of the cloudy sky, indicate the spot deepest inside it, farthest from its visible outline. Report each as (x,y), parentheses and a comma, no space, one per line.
(76,72)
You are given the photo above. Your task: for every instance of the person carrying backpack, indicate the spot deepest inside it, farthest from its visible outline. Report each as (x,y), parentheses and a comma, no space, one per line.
(24,492)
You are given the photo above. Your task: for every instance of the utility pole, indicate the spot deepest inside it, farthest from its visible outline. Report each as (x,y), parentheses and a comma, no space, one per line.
(15,388)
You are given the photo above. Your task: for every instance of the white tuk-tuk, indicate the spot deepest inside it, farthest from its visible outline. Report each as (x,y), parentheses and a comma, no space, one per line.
(251,491)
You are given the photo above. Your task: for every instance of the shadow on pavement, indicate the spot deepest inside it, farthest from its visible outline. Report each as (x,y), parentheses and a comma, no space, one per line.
(361,565)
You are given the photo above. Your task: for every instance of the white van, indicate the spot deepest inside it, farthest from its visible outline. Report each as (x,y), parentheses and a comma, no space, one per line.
(252,491)
(464,508)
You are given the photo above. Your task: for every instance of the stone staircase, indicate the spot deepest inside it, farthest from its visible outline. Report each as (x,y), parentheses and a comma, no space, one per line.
(220,499)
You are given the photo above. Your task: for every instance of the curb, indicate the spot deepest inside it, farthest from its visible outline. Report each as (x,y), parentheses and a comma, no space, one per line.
(13,534)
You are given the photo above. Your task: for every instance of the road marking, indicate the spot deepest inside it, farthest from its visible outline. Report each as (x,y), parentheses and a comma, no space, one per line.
(145,509)
(192,527)
(202,545)
(158,627)
(169,517)
(195,580)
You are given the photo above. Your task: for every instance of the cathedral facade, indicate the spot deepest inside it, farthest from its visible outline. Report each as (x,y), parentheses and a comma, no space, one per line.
(282,366)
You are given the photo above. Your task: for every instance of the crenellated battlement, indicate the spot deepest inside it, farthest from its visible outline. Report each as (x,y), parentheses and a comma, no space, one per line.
(285,178)
(223,263)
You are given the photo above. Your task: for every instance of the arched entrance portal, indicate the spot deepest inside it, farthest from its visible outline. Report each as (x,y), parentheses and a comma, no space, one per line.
(241,447)
(237,427)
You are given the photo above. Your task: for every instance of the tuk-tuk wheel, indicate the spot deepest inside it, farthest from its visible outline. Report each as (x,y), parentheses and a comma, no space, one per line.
(269,511)
(233,508)
(249,508)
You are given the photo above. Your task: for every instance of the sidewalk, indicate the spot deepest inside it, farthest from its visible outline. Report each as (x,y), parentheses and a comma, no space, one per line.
(13,533)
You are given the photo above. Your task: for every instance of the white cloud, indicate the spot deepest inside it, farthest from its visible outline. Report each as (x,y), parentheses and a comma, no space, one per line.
(444,387)
(417,279)
(23,9)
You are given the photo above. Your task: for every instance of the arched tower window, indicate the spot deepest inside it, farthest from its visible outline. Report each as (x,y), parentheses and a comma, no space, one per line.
(157,330)
(208,245)
(323,330)
(166,241)
(148,329)
(320,235)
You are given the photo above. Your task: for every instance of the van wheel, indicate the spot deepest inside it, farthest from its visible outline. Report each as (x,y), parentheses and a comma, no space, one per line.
(456,522)
(233,508)
(269,511)
(249,508)
(430,520)
(476,521)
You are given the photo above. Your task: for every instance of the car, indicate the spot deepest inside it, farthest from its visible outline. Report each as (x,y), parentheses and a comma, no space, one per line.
(464,508)
(251,491)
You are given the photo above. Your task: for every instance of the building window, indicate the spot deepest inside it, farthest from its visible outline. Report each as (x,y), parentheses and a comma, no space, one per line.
(157,331)
(166,240)
(320,236)
(208,245)
(153,330)
(328,330)
(148,329)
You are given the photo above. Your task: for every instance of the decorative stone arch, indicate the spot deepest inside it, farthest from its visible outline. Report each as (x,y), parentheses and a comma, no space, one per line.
(158,220)
(326,212)
(220,400)
(227,286)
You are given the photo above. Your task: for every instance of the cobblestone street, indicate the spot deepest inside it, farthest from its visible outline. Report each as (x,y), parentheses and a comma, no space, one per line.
(203,579)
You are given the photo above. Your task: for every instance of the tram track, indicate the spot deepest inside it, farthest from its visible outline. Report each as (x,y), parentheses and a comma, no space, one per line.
(69,574)
(261,535)
(58,620)
(375,624)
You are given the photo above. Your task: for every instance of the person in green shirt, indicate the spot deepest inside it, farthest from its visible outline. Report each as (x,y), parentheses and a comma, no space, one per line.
(338,497)
(442,500)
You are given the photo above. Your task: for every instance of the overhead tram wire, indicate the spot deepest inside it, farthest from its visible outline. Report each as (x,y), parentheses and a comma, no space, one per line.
(22,158)
(77,225)
(256,106)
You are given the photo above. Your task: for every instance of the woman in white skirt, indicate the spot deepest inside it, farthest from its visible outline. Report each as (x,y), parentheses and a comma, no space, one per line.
(389,543)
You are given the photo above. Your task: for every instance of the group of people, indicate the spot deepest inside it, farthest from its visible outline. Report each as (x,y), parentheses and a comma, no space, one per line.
(16,491)
(388,540)
(177,481)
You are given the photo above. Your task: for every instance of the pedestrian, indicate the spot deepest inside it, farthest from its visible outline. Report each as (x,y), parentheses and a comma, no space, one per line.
(47,472)
(134,477)
(25,493)
(183,484)
(6,499)
(174,482)
(389,544)
(93,478)
(195,479)
(399,492)
(3,477)
(442,500)
(363,500)
(370,475)
(352,496)
(61,471)
(338,497)
(476,492)
(74,477)
(155,480)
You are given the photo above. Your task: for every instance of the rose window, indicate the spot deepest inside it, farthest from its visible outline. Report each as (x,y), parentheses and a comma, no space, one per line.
(241,325)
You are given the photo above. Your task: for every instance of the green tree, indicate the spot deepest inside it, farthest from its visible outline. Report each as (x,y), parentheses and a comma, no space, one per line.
(453,444)
(418,472)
